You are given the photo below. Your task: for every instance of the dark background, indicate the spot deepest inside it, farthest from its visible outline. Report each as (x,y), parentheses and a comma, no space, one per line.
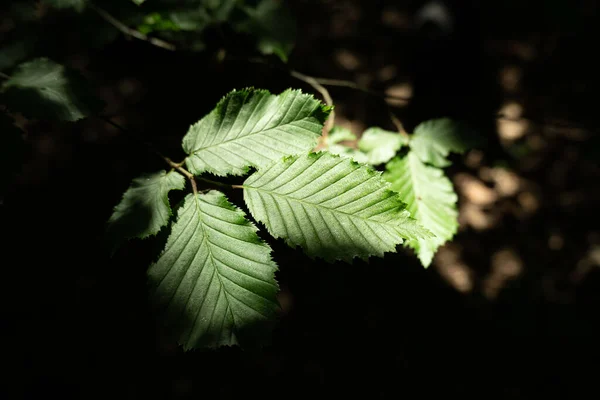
(507,310)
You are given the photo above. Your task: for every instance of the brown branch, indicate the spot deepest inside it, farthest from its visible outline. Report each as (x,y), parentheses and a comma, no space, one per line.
(130,31)
(328,100)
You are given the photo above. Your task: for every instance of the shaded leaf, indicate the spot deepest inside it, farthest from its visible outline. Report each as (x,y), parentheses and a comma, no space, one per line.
(252,128)
(77,5)
(273,25)
(332,207)
(144,208)
(430,199)
(433,140)
(44,89)
(214,283)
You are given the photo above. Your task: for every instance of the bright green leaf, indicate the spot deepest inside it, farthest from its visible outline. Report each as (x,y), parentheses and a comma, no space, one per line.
(430,198)
(253,128)
(332,207)
(44,89)
(145,208)
(214,283)
(380,145)
(78,5)
(433,140)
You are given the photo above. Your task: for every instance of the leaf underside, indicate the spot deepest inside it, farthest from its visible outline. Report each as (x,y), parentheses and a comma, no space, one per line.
(144,208)
(331,206)
(42,88)
(214,283)
(253,128)
(430,199)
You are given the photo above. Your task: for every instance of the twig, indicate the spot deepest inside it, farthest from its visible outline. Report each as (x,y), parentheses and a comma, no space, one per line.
(398,125)
(171,163)
(326,96)
(4,76)
(130,31)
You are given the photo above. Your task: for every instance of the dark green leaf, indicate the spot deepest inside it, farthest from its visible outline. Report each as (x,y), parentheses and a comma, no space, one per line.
(44,89)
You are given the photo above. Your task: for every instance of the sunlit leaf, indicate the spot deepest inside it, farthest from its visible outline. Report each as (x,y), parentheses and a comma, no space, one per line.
(430,199)
(214,283)
(252,128)
(332,207)
(433,140)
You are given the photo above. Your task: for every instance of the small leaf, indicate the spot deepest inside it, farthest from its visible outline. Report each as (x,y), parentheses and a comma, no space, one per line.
(380,145)
(44,89)
(274,26)
(332,207)
(139,2)
(430,199)
(433,140)
(78,5)
(214,283)
(376,146)
(145,208)
(253,128)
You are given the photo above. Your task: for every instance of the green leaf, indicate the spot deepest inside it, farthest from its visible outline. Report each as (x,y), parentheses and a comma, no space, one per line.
(431,200)
(376,146)
(145,208)
(332,207)
(214,283)
(433,140)
(274,26)
(11,151)
(78,5)
(44,89)
(139,2)
(253,128)
(381,145)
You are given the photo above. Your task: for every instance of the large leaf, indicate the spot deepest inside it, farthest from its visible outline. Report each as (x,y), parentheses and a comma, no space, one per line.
(145,208)
(214,283)
(253,128)
(431,200)
(433,140)
(44,89)
(75,4)
(329,205)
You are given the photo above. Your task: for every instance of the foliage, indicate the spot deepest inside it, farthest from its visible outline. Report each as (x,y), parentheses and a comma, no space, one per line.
(416,174)
(213,283)
(42,88)
(252,128)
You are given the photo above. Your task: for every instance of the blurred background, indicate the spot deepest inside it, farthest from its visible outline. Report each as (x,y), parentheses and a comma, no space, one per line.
(508,309)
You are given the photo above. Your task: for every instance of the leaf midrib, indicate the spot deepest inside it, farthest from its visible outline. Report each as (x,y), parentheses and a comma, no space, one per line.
(195,152)
(319,206)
